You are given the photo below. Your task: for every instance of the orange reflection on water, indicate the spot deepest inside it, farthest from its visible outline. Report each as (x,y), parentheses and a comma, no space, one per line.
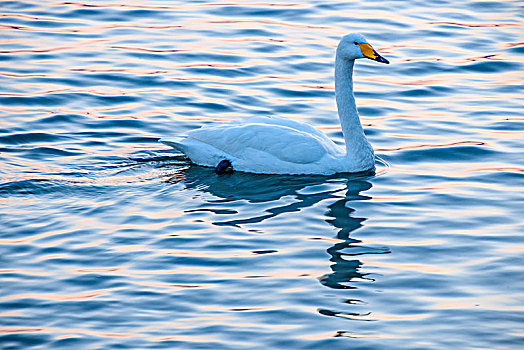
(67,297)
(170,286)
(326,335)
(452,144)
(237,309)
(421,268)
(75,332)
(483,25)
(88,244)
(496,169)
(255,23)
(70,333)
(190,339)
(480,301)
(99,269)
(12,313)
(32,237)
(11,330)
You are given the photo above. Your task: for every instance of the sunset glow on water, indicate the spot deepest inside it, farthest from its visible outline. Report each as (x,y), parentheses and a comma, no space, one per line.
(112,240)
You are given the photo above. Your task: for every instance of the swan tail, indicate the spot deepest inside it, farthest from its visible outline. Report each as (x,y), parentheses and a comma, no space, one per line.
(175,142)
(198,152)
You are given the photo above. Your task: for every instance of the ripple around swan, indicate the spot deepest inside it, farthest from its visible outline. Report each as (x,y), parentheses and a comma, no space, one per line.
(111,240)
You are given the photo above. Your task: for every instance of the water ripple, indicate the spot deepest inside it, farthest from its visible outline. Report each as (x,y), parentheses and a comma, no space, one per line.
(109,239)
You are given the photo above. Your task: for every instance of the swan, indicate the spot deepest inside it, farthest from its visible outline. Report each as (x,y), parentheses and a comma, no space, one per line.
(271,145)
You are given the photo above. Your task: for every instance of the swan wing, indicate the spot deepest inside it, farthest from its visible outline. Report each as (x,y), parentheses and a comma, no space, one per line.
(282,142)
(304,127)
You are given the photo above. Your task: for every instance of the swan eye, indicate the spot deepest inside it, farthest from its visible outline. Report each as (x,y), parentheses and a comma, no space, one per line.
(355,43)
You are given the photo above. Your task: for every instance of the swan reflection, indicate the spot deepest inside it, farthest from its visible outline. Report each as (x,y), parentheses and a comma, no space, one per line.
(343,268)
(306,192)
(261,188)
(346,268)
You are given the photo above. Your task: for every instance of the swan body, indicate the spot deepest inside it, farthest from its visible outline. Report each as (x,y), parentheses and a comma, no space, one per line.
(270,145)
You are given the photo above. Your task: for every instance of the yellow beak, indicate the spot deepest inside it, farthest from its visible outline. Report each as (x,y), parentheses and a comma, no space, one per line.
(369,52)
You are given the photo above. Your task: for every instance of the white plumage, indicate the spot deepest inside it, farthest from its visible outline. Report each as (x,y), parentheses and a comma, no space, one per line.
(269,145)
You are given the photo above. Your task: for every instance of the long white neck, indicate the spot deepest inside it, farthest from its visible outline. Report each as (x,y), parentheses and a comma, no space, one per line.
(356,142)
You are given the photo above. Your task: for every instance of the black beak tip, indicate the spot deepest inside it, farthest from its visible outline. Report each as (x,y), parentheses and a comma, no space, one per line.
(378,58)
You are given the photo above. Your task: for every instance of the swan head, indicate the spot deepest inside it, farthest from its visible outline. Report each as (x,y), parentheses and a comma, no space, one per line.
(353,46)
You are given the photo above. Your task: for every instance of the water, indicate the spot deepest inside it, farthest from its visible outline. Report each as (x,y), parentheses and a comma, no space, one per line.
(112,240)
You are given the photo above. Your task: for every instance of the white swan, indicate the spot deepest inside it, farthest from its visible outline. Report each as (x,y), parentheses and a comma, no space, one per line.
(268,145)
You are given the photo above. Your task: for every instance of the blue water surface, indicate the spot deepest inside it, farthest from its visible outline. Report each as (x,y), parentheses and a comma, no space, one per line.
(111,240)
